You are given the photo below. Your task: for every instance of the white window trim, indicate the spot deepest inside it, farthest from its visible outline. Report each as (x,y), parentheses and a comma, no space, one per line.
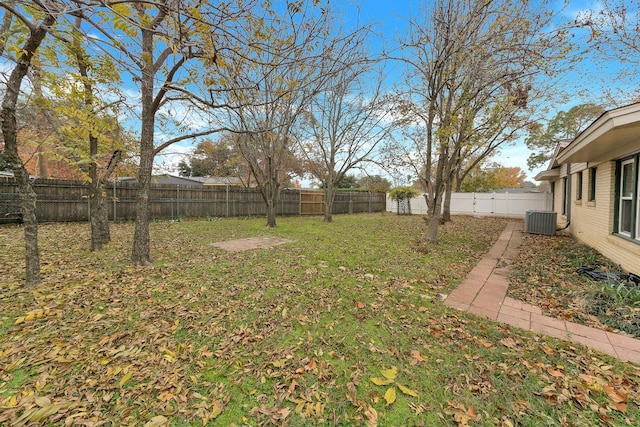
(624,198)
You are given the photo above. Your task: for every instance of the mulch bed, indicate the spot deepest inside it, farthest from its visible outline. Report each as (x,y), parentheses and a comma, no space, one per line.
(544,275)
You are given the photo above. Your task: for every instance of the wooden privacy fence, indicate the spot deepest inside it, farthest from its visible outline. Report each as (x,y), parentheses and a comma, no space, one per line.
(60,200)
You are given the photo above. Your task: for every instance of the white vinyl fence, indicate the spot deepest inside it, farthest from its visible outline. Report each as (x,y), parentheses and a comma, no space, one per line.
(508,205)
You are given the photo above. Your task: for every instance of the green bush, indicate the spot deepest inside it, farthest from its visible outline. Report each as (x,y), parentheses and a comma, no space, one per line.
(403,192)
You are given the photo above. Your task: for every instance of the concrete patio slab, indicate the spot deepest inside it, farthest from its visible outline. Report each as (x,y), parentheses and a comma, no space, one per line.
(240,245)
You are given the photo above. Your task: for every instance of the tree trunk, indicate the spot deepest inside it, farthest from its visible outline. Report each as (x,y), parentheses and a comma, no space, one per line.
(446,209)
(10,134)
(272,193)
(98,209)
(141,252)
(271,214)
(329,196)
(28,204)
(434,218)
(100,234)
(25,189)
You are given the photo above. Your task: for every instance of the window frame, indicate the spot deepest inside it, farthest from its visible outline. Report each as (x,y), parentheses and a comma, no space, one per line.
(579,186)
(592,183)
(627,200)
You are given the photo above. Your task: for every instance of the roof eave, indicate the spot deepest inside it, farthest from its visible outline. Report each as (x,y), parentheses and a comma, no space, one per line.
(548,175)
(612,135)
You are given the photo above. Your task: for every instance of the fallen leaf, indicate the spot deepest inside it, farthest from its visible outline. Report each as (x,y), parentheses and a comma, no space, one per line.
(125,379)
(157,421)
(416,357)
(555,373)
(390,373)
(42,401)
(547,350)
(372,416)
(622,407)
(390,396)
(381,381)
(508,342)
(407,391)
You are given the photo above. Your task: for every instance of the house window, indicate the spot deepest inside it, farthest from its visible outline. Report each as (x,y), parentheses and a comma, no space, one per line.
(592,184)
(627,198)
(579,186)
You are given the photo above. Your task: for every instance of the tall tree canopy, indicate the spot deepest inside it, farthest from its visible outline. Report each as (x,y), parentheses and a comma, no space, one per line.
(614,39)
(299,54)
(493,177)
(565,125)
(347,122)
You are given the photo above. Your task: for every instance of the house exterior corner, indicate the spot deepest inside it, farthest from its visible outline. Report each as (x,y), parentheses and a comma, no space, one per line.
(595,182)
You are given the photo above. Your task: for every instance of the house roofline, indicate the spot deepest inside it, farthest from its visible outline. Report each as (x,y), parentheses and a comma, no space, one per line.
(615,120)
(548,175)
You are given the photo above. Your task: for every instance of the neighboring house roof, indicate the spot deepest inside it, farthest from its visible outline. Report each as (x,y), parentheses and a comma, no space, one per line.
(223,180)
(519,190)
(611,136)
(167,179)
(198,178)
(9,174)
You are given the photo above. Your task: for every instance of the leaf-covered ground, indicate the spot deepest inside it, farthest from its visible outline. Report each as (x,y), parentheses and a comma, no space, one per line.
(344,325)
(545,275)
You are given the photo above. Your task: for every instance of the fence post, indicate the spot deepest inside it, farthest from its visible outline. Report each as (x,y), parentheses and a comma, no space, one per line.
(473,203)
(227,187)
(493,203)
(506,204)
(114,200)
(177,201)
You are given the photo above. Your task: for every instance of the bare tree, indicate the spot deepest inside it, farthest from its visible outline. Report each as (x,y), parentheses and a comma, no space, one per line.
(288,71)
(467,60)
(345,124)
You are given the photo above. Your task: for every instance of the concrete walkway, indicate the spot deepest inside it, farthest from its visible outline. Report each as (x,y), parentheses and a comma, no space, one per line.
(484,290)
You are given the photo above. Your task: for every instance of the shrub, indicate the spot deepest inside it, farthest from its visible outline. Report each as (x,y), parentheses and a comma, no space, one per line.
(403,192)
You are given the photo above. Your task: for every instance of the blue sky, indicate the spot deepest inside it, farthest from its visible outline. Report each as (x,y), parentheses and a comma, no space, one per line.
(582,85)
(389,17)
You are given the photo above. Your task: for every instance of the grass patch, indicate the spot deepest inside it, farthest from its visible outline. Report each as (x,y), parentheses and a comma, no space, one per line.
(291,335)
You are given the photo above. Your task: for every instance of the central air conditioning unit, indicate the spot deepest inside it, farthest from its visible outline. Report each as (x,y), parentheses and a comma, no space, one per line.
(540,222)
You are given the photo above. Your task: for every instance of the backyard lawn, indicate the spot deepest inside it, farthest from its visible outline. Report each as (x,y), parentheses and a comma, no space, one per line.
(343,325)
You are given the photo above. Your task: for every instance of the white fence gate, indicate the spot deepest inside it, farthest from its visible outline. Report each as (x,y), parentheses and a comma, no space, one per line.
(508,205)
